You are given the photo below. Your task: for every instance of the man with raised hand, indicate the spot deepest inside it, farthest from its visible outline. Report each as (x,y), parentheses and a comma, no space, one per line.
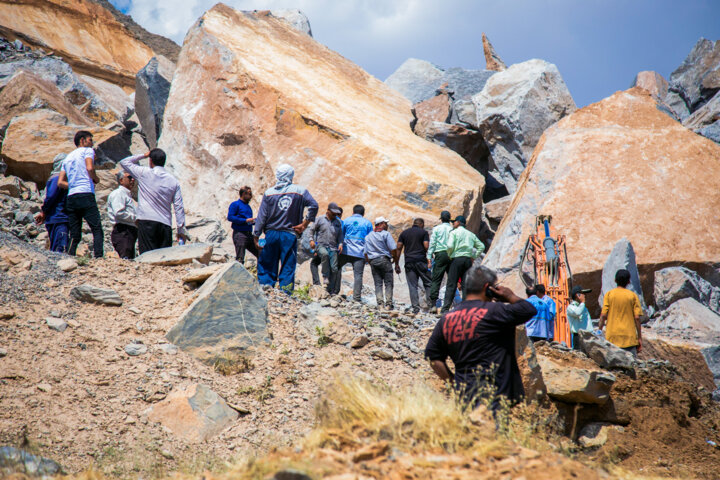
(280,218)
(158,193)
(122,214)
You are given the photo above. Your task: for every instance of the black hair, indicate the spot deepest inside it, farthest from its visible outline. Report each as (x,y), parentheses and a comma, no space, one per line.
(80,135)
(158,157)
(244,190)
(418,222)
(530,291)
(622,277)
(540,289)
(477,277)
(359,209)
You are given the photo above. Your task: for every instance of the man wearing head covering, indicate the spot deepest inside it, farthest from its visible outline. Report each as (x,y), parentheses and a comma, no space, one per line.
(121,212)
(53,210)
(463,248)
(280,218)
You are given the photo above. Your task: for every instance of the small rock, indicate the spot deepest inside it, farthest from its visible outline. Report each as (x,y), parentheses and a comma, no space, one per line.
(134,310)
(130,420)
(56,323)
(6,314)
(200,274)
(310,363)
(91,294)
(167,454)
(135,349)
(67,264)
(3,352)
(44,387)
(290,474)
(594,435)
(383,354)
(168,348)
(359,341)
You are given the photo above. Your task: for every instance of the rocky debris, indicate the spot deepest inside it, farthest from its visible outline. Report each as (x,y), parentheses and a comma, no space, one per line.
(513,110)
(90,294)
(532,374)
(194,414)
(67,264)
(6,314)
(84,33)
(135,349)
(383,353)
(11,186)
(697,79)
(712,358)
(359,341)
(3,352)
(675,283)
(652,82)
(168,348)
(324,323)
(327,114)
(152,88)
(495,210)
(200,274)
(57,324)
(229,314)
(296,18)
(594,435)
(435,109)
(691,319)
(205,230)
(575,385)
(16,461)
(613,145)
(493,62)
(705,120)
(621,256)
(178,255)
(605,353)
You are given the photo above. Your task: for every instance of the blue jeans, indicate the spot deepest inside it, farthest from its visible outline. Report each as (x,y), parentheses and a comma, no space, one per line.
(280,252)
(59,234)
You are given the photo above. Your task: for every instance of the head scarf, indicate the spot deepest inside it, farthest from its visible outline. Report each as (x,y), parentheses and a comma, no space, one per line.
(57,164)
(284,175)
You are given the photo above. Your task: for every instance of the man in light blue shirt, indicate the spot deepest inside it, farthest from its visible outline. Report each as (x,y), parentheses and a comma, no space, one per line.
(542,325)
(355,229)
(381,252)
(578,314)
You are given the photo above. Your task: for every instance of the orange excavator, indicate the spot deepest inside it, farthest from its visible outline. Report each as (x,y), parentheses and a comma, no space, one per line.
(548,253)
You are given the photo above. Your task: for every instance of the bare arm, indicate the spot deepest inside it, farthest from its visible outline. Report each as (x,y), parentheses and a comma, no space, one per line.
(90,166)
(603,320)
(63,181)
(441,370)
(638,327)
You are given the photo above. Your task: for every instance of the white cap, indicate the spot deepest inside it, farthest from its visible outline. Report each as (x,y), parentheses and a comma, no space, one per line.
(380,220)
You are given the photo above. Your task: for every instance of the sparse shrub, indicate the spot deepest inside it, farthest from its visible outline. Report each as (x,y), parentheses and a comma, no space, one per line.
(323,340)
(303,293)
(230,363)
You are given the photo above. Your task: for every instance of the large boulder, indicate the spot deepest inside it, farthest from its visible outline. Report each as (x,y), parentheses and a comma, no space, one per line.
(194,414)
(576,385)
(705,120)
(690,320)
(604,353)
(622,256)
(619,168)
(514,109)
(178,255)
(492,59)
(653,82)
(229,315)
(33,139)
(532,375)
(675,283)
(93,37)
(697,79)
(712,358)
(296,18)
(152,87)
(17,463)
(251,92)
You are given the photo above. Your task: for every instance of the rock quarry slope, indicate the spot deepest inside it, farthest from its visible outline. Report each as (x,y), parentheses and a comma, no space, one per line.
(618,168)
(90,35)
(251,92)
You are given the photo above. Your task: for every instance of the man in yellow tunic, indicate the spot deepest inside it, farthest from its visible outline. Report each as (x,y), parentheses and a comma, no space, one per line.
(621,313)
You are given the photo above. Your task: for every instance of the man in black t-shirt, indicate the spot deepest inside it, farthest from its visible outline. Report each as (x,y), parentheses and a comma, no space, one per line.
(416,241)
(479,336)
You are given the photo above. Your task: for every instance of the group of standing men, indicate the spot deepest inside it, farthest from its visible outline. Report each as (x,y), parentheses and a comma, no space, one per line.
(70,199)
(449,250)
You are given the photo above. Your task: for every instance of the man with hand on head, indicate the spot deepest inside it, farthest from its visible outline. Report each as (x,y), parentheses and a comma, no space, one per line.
(121,212)
(78,170)
(479,337)
(158,193)
(240,214)
(280,217)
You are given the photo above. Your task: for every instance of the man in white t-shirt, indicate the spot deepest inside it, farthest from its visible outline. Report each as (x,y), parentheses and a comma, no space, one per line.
(79,171)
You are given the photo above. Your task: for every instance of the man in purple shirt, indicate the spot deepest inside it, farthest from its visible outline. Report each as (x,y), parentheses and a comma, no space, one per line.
(280,217)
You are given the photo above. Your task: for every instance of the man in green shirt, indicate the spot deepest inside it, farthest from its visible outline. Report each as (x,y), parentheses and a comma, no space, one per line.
(438,251)
(463,248)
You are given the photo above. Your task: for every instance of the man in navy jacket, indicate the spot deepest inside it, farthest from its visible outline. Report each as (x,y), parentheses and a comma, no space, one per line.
(240,214)
(53,211)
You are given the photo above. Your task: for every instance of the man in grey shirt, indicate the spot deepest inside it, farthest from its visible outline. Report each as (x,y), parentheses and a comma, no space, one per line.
(158,193)
(326,239)
(380,249)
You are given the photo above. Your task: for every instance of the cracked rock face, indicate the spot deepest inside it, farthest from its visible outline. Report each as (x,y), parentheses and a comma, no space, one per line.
(251,92)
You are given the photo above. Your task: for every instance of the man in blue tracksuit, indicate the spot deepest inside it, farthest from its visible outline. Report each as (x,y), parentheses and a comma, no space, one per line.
(355,229)
(280,217)
(53,211)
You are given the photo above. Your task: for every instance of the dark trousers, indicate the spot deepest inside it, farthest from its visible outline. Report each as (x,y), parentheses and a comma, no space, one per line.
(279,253)
(59,234)
(328,258)
(83,206)
(123,238)
(153,235)
(382,272)
(314,264)
(415,271)
(458,268)
(440,268)
(244,241)
(358,265)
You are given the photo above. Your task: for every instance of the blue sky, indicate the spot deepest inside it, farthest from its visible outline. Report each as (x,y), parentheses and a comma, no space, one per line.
(598,45)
